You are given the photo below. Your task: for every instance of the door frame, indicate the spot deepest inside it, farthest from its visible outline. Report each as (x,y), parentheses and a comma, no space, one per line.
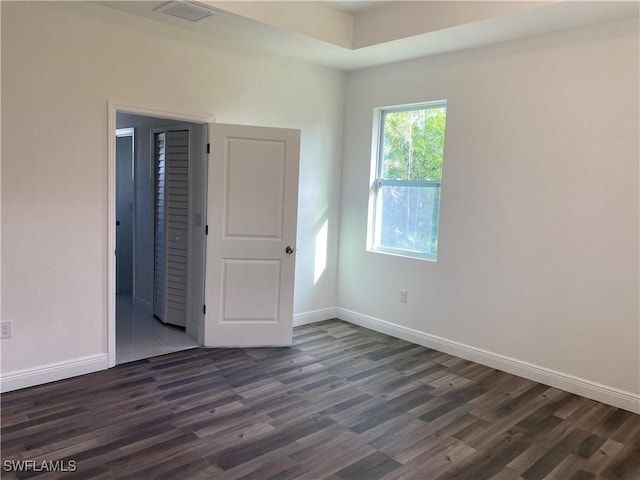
(112,109)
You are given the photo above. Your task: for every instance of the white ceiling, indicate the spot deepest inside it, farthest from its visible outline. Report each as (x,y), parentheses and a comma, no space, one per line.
(360,34)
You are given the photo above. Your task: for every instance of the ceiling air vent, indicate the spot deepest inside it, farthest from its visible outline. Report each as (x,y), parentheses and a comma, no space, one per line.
(187,10)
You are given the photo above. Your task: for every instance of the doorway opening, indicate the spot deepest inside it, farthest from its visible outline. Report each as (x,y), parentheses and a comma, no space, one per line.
(160,215)
(247,190)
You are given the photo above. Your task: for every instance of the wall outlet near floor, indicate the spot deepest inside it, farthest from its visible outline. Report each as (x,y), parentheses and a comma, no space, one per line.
(403,296)
(5,329)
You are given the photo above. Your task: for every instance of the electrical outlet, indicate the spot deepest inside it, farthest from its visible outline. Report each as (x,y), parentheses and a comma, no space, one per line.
(403,296)
(5,331)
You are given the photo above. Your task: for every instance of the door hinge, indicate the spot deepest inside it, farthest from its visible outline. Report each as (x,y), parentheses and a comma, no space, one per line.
(204,309)
(208,148)
(206,229)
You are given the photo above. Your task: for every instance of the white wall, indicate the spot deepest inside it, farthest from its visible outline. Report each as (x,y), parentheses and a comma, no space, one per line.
(0,178)
(538,247)
(539,238)
(61,63)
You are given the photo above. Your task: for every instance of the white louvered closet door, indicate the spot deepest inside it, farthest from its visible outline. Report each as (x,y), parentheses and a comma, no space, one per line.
(159,242)
(172,227)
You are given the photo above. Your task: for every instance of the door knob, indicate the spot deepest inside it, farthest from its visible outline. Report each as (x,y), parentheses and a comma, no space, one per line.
(289,250)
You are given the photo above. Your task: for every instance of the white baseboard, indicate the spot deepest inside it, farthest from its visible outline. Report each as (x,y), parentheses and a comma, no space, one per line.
(586,388)
(137,301)
(52,372)
(314,316)
(58,371)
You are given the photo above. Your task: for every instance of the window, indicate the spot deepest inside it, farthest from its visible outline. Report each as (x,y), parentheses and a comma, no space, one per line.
(405,194)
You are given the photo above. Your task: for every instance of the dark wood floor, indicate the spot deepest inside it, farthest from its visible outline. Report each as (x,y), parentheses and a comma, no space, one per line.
(342,403)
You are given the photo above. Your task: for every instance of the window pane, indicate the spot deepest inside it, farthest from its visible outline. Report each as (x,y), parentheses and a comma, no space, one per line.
(413,144)
(408,218)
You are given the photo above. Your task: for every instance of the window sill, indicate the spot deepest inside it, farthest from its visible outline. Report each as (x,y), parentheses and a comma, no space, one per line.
(404,253)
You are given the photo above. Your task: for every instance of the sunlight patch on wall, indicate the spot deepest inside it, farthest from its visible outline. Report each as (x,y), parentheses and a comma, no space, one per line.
(321,252)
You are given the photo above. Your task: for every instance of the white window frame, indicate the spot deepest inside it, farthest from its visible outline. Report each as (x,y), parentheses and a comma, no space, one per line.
(377,181)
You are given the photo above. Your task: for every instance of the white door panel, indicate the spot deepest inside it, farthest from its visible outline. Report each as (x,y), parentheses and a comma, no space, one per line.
(254,202)
(252,212)
(251,290)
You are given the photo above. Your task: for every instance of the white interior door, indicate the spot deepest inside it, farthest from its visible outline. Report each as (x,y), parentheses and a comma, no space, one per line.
(124,211)
(252,215)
